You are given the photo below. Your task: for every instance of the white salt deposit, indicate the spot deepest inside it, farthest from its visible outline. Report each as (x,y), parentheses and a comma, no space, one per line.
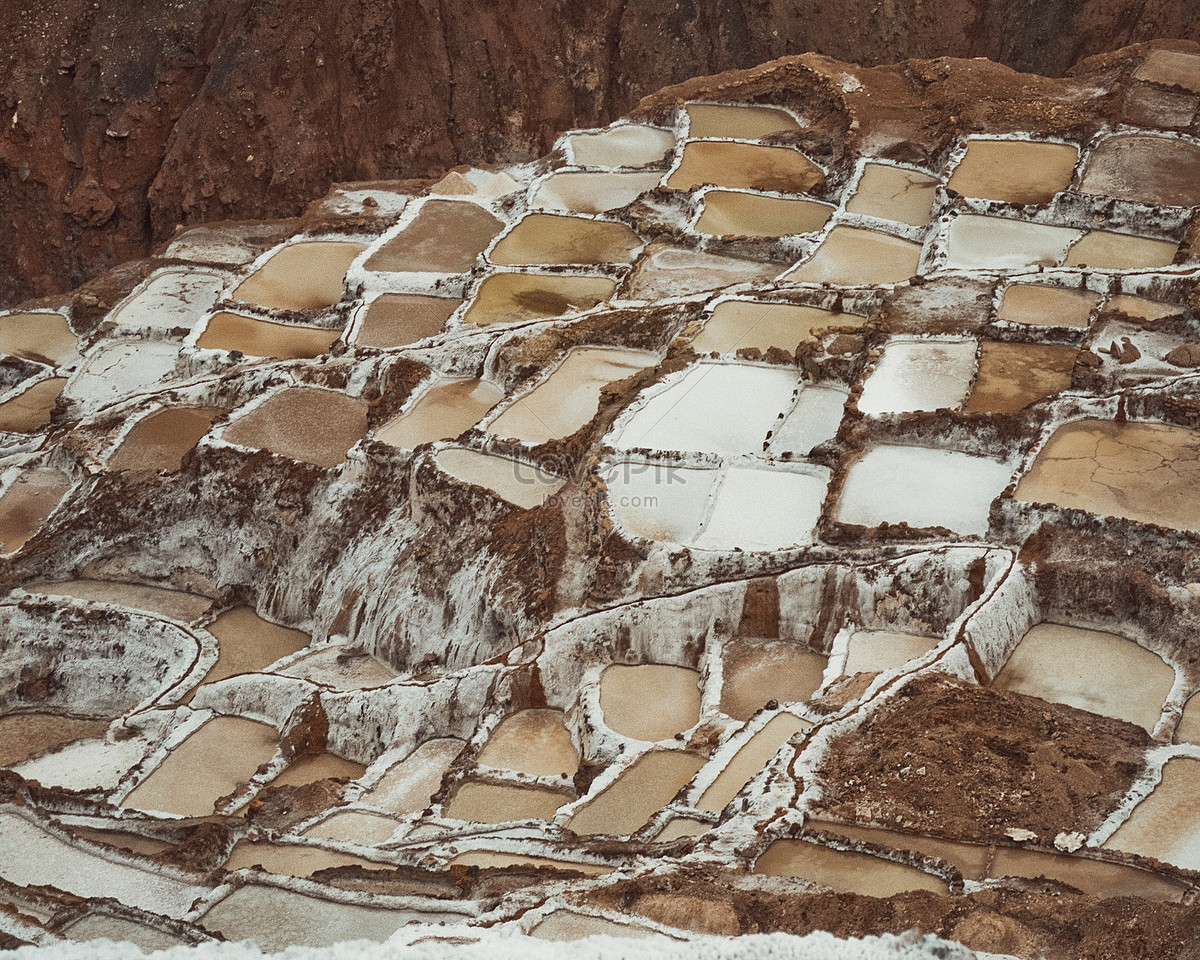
(992,243)
(628,145)
(660,502)
(593,192)
(764,509)
(814,419)
(85,764)
(112,372)
(919,375)
(175,298)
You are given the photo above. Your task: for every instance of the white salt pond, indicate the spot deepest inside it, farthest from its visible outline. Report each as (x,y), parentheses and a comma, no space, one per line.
(534,742)
(301,276)
(853,257)
(744,324)
(246,643)
(737,121)
(31,408)
(665,271)
(764,509)
(1104,250)
(41,337)
(723,408)
(91,764)
(446,236)
(744,166)
(570,397)
(641,790)
(446,409)
(627,145)
(916,374)
(753,757)
(341,669)
(871,651)
(160,440)
(732,213)
(215,761)
(264,338)
(521,297)
(893,193)
(398,319)
(660,502)
(1089,669)
(520,483)
(1014,171)
(354,826)
(814,419)
(593,192)
(407,786)
(97,926)
(1140,307)
(494,858)
(1045,306)
(27,502)
(502,803)
(283,424)
(175,604)
(922,487)
(1165,825)
(114,371)
(844,871)
(993,243)
(174,299)
(650,701)
(757,671)
(543,238)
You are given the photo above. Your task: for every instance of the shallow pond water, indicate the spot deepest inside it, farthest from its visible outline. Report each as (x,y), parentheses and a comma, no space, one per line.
(763,509)
(26,504)
(741,324)
(1094,877)
(159,441)
(737,121)
(1103,250)
(1014,375)
(643,789)
(534,742)
(565,926)
(97,926)
(292,859)
(1044,306)
(1014,171)
(283,424)
(494,858)
(753,757)
(844,871)
(591,192)
(301,276)
(521,297)
(443,412)
(1188,730)
(408,785)
(993,243)
(665,271)
(660,502)
(919,375)
(502,803)
(871,651)
(730,213)
(263,338)
(41,337)
(756,671)
(318,766)
(246,643)
(651,701)
(520,483)
(893,193)
(744,166)
(354,826)
(970,858)
(1164,825)
(543,238)
(627,145)
(398,319)
(446,236)
(32,408)
(1145,168)
(853,257)
(814,419)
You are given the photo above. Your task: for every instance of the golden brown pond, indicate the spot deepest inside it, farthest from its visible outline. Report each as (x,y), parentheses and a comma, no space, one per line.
(737,121)
(408,785)
(1148,169)
(729,213)
(501,803)
(851,257)
(246,643)
(1013,375)
(443,412)
(638,793)
(744,166)
(398,319)
(41,337)
(754,755)
(1104,250)
(760,670)
(520,297)
(1014,171)
(1164,825)
(31,409)
(160,441)
(26,735)
(650,701)
(301,276)
(1047,306)
(533,742)
(26,504)
(892,193)
(543,238)
(738,324)
(285,423)
(262,338)
(844,871)
(446,236)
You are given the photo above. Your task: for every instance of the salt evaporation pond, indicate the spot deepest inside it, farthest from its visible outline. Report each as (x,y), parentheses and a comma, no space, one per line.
(650,701)
(100,927)
(844,871)
(1140,307)
(872,651)
(446,236)
(407,786)
(753,757)
(752,324)
(159,441)
(1014,375)
(1170,68)
(1104,250)
(1089,669)
(641,790)
(660,502)
(91,764)
(853,257)
(520,483)
(40,337)
(730,213)
(922,487)
(27,502)
(534,742)
(1164,825)
(363,829)
(174,299)
(309,275)
(444,411)
(543,239)
(264,338)
(679,828)
(1188,730)
(665,271)
(246,643)
(993,243)
(1014,171)
(916,374)
(737,121)
(971,859)
(115,372)
(292,859)
(398,319)
(764,509)
(565,926)
(570,396)
(25,735)
(1045,306)
(1146,169)
(341,669)
(592,192)
(175,604)
(32,408)
(894,193)
(503,803)
(757,671)
(495,858)
(1149,472)
(744,166)
(521,297)
(723,408)
(283,424)
(814,419)
(627,145)
(215,761)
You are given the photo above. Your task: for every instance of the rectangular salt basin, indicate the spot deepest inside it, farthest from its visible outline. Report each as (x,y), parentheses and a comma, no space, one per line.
(301,276)
(521,484)
(759,509)
(722,408)
(122,368)
(570,396)
(740,324)
(853,257)
(923,488)
(737,121)
(1104,250)
(264,338)
(593,192)
(844,871)
(660,502)
(1047,306)
(814,419)
(1014,171)
(993,243)
(919,375)
(731,213)
(446,236)
(744,166)
(627,145)
(1166,825)
(893,193)
(174,298)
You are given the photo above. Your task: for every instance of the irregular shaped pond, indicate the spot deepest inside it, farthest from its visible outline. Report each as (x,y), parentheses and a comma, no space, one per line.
(283,424)
(651,701)
(737,121)
(398,319)
(729,213)
(1104,250)
(41,337)
(1146,169)
(408,785)
(301,276)
(641,790)
(1014,171)
(501,803)
(520,483)
(27,502)
(919,375)
(443,412)
(586,192)
(664,271)
(757,671)
(32,408)
(446,236)
(744,166)
(1164,825)
(534,742)
(521,297)
(752,758)
(1014,375)
(844,871)
(871,651)
(160,440)
(853,257)
(543,238)
(893,193)
(741,324)
(627,145)
(262,338)
(1047,306)
(764,509)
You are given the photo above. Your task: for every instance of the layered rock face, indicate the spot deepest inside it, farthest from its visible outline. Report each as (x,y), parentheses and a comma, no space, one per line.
(122,121)
(772,512)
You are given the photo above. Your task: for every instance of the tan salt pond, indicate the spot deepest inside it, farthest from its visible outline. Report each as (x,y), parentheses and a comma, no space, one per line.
(1149,472)
(637,794)
(32,408)
(1188,730)
(737,121)
(176,604)
(664,270)
(446,236)
(318,766)
(651,701)
(493,858)
(408,785)
(680,827)
(844,871)
(160,441)
(1164,825)
(870,651)
(26,735)
(301,276)
(365,829)
(760,670)
(1043,306)
(287,422)
(1014,171)
(627,145)
(753,757)
(564,926)
(589,192)
(123,840)
(1148,169)
(1171,68)
(520,483)
(342,669)
(293,860)
(398,319)
(850,257)
(543,238)
(893,193)
(971,859)
(1096,878)
(744,166)
(1102,250)
(739,324)
(1014,375)
(262,338)
(1141,308)
(97,926)
(26,504)
(729,213)
(521,297)
(570,396)
(500,803)
(1091,670)
(246,643)
(213,762)
(41,337)
(534,742)
(443,412)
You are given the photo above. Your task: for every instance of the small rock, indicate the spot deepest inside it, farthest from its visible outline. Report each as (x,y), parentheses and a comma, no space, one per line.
(1187,355)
